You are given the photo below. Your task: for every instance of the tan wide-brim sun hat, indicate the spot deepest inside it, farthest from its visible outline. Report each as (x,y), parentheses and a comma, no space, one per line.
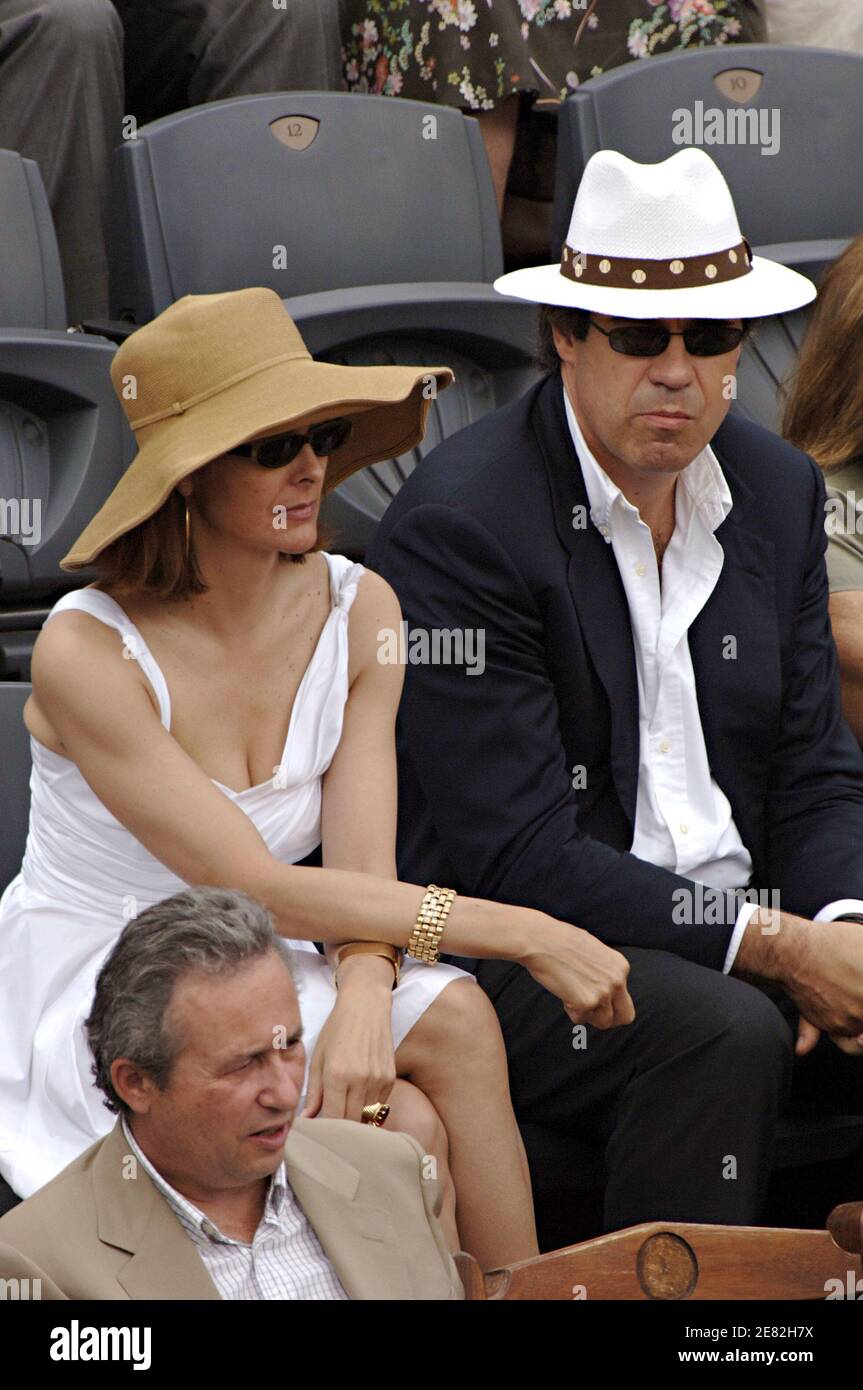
(216,370)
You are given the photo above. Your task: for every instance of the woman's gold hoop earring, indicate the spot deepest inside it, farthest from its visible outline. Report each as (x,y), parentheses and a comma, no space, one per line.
(188,526)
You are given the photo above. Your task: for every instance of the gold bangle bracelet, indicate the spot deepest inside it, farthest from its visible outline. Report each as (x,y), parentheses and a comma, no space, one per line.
(424,941)
(370,948)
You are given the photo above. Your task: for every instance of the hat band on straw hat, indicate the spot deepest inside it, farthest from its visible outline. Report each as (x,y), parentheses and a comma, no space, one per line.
(179,407)
(641,273)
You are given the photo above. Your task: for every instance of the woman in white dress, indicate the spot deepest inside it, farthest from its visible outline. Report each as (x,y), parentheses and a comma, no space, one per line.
(210,713)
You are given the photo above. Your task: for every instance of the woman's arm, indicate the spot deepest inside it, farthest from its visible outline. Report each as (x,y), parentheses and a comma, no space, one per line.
(358,814)
(354,1062)
(100,708)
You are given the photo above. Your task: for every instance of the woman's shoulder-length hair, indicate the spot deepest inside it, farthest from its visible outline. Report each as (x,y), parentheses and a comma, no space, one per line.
(823,412)
(151,560)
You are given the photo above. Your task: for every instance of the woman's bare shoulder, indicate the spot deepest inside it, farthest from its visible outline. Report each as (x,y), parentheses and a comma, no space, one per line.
(375,615)
(376,599)
(77,657)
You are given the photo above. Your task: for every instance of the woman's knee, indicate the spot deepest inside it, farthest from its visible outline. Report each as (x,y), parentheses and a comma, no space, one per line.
(412,1112)
(462,1019)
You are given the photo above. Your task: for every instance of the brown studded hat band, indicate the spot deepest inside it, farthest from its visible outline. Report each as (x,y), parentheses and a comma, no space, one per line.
(641,273)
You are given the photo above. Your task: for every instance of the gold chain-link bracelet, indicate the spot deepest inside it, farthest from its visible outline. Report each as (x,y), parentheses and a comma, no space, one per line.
(424,941)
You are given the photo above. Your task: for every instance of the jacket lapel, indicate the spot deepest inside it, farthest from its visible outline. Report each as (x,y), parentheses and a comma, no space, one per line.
(596,588)
(358,1238)
(734,645)
(131,1215)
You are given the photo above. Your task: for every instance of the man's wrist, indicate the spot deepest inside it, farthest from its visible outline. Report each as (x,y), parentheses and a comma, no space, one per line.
(771,942)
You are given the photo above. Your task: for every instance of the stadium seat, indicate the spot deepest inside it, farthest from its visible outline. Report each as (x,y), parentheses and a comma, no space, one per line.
(301,192)
(382,243)
(770,353)
(14,777)
(767,361)
(811,104)
(486,338)
(63,437)
(15,800)
(64,443)
(31,281)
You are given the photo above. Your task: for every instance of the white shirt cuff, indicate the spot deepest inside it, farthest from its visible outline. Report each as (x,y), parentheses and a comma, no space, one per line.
(838,909)
(744,917)
(829,913)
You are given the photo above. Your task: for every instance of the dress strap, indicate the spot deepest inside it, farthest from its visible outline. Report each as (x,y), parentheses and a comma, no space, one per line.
(107,610)
(345,576)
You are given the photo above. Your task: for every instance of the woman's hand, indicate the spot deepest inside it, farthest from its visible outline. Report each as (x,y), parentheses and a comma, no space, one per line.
(587,975)
(354,1063)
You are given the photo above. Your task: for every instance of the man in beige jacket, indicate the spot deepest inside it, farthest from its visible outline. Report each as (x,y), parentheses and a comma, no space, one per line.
(207,1187)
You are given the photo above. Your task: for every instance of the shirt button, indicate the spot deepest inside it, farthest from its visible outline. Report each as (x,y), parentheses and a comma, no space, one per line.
(604,531)
(640,570)
(664,746)
(684,828)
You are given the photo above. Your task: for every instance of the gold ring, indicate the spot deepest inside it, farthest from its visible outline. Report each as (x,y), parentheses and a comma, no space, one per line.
(374,1114)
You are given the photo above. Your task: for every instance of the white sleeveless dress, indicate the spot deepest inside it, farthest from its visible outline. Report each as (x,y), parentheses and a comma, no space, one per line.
(84,875)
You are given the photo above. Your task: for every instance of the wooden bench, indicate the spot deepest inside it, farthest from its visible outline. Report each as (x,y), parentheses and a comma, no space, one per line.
(677,1260)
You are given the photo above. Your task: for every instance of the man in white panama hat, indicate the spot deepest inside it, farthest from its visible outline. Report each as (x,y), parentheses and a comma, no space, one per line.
(656,751)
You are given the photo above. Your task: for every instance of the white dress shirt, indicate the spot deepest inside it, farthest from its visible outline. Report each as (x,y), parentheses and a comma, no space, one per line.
(683,819)
(285,1259)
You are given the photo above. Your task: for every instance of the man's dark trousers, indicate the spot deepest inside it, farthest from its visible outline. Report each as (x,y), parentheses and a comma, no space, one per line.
(484,536)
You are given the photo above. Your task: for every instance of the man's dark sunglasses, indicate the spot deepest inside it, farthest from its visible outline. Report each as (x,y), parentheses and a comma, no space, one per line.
(281,449)
(707,338)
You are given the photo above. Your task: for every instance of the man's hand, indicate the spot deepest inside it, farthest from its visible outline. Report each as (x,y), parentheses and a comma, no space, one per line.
(808,1035)
(820,967)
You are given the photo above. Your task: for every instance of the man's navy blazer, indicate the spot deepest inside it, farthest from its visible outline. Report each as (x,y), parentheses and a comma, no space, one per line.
(519,784)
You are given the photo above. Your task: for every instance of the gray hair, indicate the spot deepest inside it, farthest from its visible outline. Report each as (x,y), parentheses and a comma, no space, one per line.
(209,930)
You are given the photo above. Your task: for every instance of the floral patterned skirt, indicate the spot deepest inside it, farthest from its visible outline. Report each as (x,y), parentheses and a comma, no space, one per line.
(475,53)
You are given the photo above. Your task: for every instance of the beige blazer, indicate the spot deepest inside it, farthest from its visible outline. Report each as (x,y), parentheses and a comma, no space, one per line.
(93,1233)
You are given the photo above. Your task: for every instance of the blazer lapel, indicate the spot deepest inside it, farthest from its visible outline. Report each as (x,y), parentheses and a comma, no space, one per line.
(735,637)
(358,1238)
(131,1215)
(596,588)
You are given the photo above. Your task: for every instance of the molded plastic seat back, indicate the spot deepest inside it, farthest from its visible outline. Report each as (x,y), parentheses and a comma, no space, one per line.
(14,778)
(31,281)
(301,192)
(64,443)
(770,355)
(487,339)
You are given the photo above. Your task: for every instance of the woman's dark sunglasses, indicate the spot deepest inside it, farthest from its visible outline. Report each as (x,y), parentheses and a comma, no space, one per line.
(705,339)
(281,449)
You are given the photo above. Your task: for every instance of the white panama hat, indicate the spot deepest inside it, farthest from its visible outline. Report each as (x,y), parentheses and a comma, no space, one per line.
(659,241)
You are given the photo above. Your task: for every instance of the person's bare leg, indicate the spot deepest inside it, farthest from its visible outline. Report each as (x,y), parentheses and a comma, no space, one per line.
(455,1055)
(498,129)
(413,1112)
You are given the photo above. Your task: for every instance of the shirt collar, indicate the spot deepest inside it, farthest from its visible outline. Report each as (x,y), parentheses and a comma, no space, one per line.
(705,485)
(195,1221)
